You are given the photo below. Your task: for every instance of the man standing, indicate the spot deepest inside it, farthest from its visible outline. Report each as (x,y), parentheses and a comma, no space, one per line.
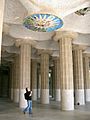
(28,97)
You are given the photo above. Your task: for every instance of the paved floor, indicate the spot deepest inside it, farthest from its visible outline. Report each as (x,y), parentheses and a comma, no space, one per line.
(10,111)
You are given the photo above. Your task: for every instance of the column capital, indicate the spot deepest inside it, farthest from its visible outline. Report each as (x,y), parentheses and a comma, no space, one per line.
(20,42)
(55,58)
(42,51)
(34,60)
(79,47)
(63,35)
(86,55)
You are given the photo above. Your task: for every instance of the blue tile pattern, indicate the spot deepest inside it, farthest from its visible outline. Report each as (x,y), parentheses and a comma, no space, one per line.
(43,22)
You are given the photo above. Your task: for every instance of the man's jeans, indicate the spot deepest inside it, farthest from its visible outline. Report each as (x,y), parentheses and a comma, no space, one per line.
(29,106)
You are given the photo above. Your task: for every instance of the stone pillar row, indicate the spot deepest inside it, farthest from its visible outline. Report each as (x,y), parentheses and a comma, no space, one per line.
(63,66)
(66,71)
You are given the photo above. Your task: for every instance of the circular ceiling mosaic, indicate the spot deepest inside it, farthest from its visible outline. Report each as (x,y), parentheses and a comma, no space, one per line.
(43,22)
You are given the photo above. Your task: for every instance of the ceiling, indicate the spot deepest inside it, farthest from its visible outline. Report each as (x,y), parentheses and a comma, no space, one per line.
(13,29)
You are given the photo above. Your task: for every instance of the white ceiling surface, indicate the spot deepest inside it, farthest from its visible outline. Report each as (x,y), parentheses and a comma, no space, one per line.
(83,39)
(55,53)
(6,54)
(9,59)
(60,8)
(14,12)
(17,10)
(87,50)
(19,31)
(77,23)
(48,45)
(7,40)
(12,49)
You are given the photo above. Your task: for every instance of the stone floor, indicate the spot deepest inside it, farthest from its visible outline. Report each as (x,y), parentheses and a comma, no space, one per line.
(10,111)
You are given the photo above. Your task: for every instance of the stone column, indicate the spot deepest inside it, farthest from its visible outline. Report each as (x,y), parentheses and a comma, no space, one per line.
(44,78)
(16,80)
(25,69)
(2,3)
(78,75)
(34,80)
(39,83)
(53,81)
(12,80)
(50,81)
(57,79)
(38,80)
(0,81)
(86,76)
(66,69)
(9,81)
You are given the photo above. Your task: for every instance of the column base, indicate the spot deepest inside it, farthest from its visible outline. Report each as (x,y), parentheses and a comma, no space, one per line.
(87,95)
(67,100)
(11,93)
(34,94)
(79,97)
(45,96)
(16,95)
(58,95)
(38,93)
(22,102)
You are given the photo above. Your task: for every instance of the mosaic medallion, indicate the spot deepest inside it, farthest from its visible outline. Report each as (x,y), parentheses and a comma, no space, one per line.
(43,22)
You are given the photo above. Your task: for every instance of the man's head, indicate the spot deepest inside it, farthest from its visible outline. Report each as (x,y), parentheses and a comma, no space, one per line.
(26,89)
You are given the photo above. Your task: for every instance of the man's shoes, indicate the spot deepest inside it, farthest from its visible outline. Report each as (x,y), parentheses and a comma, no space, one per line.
(24,112)
(30,112)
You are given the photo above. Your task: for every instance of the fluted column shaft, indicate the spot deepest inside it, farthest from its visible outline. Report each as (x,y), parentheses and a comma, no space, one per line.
(66,73)
(39,85)
(0,83)
(44,78)
(57,79)
(2,3)
(53,81)
(16,81)
(86,77)
(78,76)
(34,80)
(12,79)
(25,71)
(10,82)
